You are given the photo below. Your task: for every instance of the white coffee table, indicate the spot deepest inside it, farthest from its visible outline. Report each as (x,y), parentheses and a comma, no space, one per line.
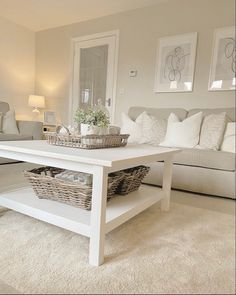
(103,216)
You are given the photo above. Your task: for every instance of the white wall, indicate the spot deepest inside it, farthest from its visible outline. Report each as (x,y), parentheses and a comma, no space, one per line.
(139,32)
(17,66)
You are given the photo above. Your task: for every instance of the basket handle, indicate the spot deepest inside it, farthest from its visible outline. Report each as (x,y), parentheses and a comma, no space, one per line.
(59,127)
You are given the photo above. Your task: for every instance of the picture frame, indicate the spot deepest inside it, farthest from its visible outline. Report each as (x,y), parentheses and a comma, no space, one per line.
(222,69)
(175,63)
(49,118)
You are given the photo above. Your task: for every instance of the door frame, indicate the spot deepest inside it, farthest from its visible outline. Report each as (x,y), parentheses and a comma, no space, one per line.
(72,90)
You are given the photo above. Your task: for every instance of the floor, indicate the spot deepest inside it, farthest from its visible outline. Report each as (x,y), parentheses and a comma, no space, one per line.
(11,177)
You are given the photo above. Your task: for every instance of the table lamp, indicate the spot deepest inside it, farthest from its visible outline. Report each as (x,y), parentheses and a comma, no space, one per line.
(36,102)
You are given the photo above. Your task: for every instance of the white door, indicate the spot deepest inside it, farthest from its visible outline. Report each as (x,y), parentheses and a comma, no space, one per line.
(94,72)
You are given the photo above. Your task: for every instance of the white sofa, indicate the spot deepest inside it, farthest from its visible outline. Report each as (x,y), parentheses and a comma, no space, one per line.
(196,170)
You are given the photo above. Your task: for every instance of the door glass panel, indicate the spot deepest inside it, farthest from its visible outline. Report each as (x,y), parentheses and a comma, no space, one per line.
(93,75)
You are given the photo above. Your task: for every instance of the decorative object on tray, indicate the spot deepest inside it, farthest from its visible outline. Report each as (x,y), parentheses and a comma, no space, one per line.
(175,63)
(93,120)
(113,130)
(223,66)
(75,188)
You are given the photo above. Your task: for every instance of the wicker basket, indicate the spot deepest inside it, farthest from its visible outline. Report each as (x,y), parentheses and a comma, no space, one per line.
(46,186)
(132,179)
(88,141)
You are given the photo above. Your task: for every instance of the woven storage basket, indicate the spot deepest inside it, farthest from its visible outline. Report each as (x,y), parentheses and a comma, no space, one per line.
(46,186)
(132,179)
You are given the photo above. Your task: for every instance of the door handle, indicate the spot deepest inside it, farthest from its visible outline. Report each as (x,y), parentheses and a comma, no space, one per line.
(108,102)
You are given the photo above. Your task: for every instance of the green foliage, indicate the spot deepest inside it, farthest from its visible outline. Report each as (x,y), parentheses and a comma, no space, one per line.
(92,116)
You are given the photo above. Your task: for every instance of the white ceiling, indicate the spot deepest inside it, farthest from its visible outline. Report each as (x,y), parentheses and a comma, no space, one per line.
(38,15)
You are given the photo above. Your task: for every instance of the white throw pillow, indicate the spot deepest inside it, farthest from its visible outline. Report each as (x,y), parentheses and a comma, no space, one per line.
(9,123)
(228,144)
(132,128)
(153,129)
(183,134)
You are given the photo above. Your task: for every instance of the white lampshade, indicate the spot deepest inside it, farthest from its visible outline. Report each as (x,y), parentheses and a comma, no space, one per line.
(37,101)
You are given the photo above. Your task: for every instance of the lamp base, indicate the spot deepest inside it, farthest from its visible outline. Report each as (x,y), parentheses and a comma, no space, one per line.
(36,111)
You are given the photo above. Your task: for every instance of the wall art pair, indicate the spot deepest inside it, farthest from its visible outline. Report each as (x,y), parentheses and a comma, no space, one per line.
(176,62)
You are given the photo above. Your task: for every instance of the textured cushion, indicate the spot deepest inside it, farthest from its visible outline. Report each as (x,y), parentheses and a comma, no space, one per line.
(132,128)
(206,158)
(11,137)
(153,129)
(228,143)
(9,123)
(212,131)
(183,134)
(164,113)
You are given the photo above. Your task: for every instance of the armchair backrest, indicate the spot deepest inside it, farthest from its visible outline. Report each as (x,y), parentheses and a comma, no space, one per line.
(4,107)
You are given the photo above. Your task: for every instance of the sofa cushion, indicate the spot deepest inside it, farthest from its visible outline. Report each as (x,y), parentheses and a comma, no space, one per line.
(228,144)
(153,129)
(9,123)
(132,128)
(206,158)
(11,137)
(212,131)
(183,134)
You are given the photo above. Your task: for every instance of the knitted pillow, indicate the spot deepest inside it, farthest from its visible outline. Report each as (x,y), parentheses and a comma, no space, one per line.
(212,131)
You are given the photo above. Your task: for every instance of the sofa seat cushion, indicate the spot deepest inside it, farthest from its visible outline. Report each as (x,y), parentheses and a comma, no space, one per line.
(11,137)
(206,158)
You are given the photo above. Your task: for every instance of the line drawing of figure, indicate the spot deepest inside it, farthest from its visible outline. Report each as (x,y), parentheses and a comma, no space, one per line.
(174,64)
(230,52)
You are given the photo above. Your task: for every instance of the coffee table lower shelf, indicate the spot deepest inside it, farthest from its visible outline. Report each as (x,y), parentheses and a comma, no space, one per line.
(119,209)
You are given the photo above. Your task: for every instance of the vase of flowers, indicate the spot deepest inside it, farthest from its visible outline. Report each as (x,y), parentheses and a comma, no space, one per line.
(92,121)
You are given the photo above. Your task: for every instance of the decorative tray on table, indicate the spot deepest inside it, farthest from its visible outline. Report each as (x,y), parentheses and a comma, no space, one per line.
(87,141)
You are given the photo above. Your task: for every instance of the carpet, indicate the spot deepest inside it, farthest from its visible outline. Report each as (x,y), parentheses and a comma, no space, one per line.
(187,250)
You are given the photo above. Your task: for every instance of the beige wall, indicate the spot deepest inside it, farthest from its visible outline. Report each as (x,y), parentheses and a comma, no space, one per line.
(139,32)
(17,70)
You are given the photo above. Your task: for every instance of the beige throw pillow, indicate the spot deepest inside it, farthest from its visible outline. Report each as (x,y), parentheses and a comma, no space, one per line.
(9,123)
(212,131)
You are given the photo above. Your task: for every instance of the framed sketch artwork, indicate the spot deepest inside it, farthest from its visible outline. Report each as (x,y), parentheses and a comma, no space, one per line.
(222,72)
(175,63)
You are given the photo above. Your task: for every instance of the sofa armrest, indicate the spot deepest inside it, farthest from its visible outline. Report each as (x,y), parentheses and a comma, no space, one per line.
(33,128)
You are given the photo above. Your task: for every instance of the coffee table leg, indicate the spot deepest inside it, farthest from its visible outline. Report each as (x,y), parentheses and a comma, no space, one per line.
(166,186)
(98,217)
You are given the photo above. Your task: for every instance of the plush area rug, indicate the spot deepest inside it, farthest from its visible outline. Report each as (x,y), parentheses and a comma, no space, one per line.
(187,250)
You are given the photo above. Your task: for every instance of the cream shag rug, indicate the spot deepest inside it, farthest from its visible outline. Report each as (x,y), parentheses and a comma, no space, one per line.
(188,250)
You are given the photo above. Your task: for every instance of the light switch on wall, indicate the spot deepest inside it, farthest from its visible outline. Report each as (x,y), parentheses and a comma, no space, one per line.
(122,91)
